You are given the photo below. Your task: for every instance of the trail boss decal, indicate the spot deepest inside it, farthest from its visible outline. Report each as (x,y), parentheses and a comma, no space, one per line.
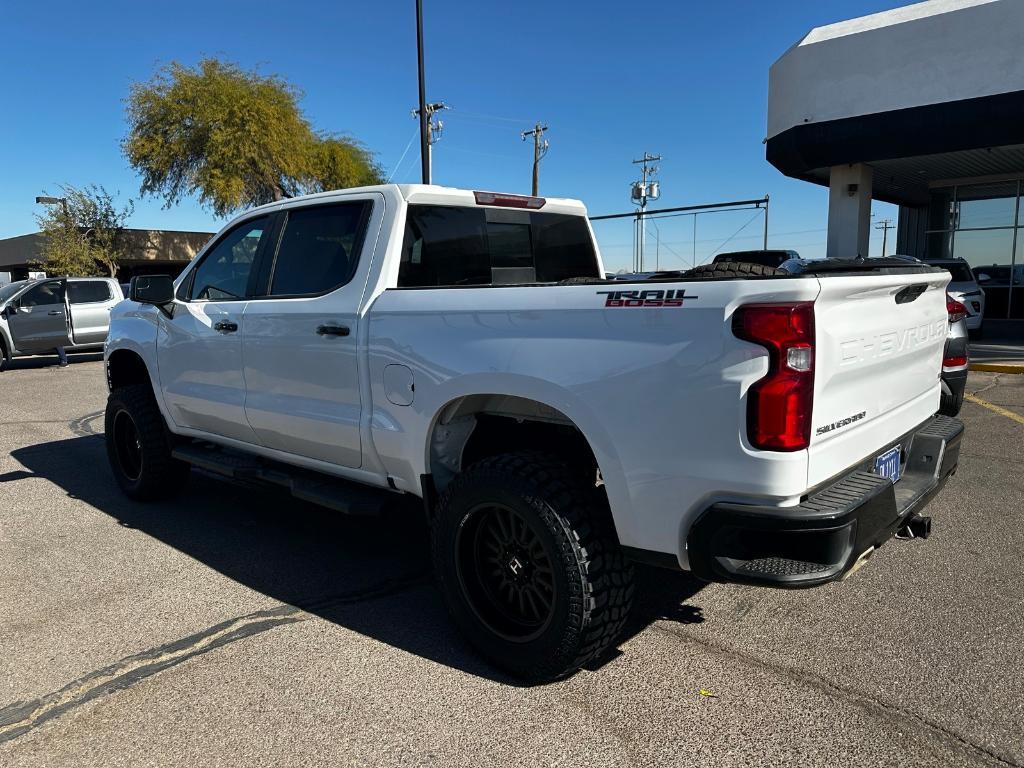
(648,298)
(841,423)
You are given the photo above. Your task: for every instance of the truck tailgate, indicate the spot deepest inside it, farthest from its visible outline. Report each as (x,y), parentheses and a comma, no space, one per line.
(878,347)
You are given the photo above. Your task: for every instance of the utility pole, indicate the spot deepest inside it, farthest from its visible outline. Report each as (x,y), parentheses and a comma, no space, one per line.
(431,134)
(424,138)
(540,148)
(642,191)
(885,225)
(765,222)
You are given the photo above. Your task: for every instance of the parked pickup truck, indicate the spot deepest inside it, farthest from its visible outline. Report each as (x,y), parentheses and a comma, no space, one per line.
(37,316)
(736,421)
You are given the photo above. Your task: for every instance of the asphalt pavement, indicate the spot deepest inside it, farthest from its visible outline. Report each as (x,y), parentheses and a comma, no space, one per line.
(239,627)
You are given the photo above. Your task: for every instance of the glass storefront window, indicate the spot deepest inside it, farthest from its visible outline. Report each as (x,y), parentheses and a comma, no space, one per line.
(986,205)
(1017,281)
(977,222)
(990,254)
(987,250)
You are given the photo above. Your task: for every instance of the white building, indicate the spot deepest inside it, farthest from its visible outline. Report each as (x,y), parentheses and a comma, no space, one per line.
(922,106)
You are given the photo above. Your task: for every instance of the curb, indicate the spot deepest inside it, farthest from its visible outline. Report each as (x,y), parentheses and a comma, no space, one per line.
(998,367)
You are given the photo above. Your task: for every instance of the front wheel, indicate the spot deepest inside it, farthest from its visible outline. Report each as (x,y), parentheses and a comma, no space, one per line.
(529,565)
(138,445)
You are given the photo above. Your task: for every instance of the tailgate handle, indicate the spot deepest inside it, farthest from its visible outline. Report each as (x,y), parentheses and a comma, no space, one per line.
(910,293)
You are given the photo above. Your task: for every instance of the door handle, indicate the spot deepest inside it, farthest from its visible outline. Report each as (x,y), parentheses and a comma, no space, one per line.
(55,312)
(332,330)
(226,326)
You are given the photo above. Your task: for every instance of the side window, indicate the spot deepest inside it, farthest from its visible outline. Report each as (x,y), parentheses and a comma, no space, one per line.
(44,294)
(449,245)
(319,249)
(88,291)
(224,271)
(444,246)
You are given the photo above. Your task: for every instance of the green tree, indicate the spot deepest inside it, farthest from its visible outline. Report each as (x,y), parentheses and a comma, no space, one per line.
(235,138)
(85,235)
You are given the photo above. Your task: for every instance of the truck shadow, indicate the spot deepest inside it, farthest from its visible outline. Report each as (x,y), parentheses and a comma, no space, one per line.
(369,575)
(50,361)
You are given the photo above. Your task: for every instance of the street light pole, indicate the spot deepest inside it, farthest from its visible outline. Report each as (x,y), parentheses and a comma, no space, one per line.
(46,200)
(424,138)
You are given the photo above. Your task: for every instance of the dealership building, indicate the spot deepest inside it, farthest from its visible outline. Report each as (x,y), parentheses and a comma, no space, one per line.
(921,106)
(147,252)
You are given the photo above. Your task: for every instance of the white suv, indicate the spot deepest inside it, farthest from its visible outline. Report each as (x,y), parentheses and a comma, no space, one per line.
(964,287)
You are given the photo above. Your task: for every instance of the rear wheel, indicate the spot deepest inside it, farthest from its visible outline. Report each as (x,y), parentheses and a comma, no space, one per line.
(139,445)
(527,560)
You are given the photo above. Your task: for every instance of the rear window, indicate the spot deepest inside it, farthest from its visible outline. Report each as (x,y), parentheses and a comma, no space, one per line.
(446,245)
(88,291)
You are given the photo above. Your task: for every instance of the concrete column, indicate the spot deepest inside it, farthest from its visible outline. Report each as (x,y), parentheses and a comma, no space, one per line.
(849,211)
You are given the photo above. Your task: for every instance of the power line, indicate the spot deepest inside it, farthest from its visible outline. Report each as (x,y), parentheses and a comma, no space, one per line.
(493,118)
(405,151)
(669,249)
(730,237)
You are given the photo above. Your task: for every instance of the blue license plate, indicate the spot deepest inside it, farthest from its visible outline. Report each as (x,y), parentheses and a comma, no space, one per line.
(888,464)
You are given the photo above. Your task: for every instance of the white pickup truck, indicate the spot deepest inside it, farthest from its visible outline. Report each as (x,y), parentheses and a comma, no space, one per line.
(741,422)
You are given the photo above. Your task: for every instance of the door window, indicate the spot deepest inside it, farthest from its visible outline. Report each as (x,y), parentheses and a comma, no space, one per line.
(223,274)
(319,249)
(450,245)
(51,292)
(88,291)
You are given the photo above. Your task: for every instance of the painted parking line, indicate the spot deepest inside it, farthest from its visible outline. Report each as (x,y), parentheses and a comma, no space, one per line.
(995,408)
(998,367)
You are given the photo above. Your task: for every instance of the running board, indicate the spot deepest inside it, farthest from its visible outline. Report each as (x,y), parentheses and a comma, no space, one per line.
(334,493)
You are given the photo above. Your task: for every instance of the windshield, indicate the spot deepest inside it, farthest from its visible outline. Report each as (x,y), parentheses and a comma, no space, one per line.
(12,288)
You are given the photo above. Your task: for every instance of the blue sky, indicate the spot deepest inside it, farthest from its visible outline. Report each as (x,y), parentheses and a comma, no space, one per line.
(684,79)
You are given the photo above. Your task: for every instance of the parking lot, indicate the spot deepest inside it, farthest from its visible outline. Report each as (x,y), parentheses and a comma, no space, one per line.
(238,627)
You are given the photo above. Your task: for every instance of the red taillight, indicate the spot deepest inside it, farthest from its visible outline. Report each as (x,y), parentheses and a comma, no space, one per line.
(954,362)
(779,405)
(956,310)
(508,201)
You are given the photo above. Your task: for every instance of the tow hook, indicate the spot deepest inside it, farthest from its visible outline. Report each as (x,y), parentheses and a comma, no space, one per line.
(916,527)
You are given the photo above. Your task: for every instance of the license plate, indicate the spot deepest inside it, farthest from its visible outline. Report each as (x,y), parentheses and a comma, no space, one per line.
(888,464)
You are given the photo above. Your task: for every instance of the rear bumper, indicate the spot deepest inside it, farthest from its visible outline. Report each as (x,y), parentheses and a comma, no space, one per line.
(824,537)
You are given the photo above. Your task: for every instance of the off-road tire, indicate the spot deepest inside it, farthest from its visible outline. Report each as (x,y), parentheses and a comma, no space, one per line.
(582,280)
(593,579)
(950,403)
(734,270)
(157,475)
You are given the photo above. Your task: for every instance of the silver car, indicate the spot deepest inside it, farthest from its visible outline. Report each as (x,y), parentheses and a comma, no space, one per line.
(36,316)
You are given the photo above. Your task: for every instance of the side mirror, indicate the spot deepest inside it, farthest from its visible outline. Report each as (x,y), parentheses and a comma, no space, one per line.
(152,289)
(982,277)
(10,309)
